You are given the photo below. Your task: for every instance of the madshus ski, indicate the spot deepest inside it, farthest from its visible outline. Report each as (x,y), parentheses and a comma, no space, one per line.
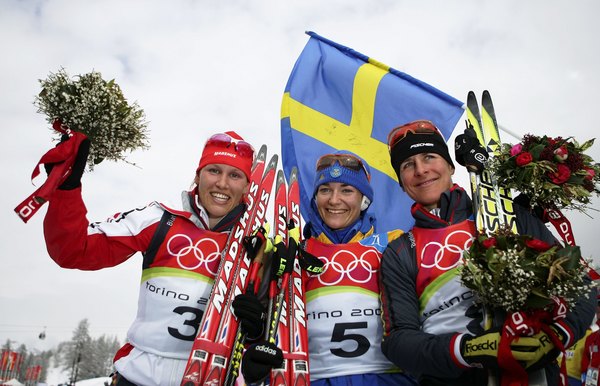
(493,203)
(287,313)
(277,327)
(297,357)
(211,350)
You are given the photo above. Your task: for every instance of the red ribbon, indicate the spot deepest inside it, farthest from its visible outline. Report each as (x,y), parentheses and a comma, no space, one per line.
(63,158)
(563,228)
(530,323)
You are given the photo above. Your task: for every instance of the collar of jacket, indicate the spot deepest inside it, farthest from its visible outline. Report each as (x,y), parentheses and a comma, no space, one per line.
(454,206)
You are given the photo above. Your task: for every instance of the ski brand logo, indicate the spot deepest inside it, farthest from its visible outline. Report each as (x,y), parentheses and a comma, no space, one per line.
(422,144)
(299,309)
(194,377)
(221,286)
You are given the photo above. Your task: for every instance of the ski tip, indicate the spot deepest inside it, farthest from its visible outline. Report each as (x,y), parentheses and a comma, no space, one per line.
(294,174)
(280,177)
(488,105)
(261,155)
(486,97)
(273,162)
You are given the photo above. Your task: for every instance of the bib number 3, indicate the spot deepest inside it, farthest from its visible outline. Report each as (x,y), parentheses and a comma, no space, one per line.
(194,322)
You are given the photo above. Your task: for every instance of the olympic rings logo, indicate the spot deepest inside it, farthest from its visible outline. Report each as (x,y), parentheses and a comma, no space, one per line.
(345,264)
(192,256)
(447,255)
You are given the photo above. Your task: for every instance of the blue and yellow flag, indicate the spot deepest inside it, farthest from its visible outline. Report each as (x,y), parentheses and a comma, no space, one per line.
(339,99)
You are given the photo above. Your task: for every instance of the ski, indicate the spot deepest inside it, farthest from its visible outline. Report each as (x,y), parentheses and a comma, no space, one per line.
(474,129)
(278,331)
(297,358)
(482,186)
(496,201)
(287,327)
(483,191)
(491,137)
(212,346)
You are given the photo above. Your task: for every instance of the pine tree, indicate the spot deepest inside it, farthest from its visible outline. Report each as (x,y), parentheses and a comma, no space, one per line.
(85,357)
(77,351)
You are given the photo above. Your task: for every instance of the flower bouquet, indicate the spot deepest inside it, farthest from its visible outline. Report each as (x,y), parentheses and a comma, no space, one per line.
(552,172)
(97,108)
(515,272)
(529,281)
(86,107)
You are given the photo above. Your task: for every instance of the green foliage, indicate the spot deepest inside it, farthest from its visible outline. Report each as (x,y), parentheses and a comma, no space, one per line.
(517,272)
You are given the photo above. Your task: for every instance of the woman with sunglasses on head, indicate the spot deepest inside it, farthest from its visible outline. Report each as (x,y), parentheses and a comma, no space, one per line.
(180,247)
(342,303)
(432,324)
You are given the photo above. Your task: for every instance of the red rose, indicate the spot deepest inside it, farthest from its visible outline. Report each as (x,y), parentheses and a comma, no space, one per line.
(489,242)
(591,173)
(561,154)
(562,174)
(524,158)
(538,245)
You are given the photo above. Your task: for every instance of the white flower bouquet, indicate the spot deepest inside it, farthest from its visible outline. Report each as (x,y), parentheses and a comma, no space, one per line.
(97,108)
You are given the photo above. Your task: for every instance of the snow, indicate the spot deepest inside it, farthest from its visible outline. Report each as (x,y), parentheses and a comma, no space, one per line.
(57,376)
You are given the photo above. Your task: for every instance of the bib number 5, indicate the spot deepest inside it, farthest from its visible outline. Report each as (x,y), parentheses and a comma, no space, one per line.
(341,334)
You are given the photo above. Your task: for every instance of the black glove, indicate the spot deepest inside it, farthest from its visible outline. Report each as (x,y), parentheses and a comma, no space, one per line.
(259,359)
(251,314)
(469,152)
(525,201)
(73,180)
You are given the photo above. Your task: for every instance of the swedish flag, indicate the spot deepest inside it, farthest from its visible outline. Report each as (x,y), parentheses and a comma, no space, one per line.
(339,99)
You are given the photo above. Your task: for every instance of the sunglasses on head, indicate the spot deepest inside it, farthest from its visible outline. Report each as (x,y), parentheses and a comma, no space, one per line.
(242,147)
(346,160)
(417,127)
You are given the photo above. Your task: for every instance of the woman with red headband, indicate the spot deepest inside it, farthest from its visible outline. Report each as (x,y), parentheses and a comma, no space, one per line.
(432,326)
(180,247)
(342,307)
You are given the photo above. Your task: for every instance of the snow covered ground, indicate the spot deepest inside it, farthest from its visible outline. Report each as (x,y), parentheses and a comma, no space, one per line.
(58,376)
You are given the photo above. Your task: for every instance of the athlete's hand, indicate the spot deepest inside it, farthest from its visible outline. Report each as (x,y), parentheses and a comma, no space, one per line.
(533,352)
(545,351)
(259,359)
(469,152)
(251,314)
(481,350)
(73,180)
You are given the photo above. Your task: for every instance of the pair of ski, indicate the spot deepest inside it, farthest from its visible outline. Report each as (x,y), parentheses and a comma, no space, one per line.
(286,318)
(492,204)
(217,349)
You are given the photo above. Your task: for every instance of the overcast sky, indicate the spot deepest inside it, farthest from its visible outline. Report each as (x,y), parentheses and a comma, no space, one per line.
(198,67)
